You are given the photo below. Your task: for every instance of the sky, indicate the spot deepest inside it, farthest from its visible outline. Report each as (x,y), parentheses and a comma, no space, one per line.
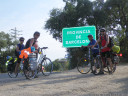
(30,16)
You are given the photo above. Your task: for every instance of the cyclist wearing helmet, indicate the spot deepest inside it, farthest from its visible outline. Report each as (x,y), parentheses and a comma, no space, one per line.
(105,50)
(18,50)
(95,52)
(33,41)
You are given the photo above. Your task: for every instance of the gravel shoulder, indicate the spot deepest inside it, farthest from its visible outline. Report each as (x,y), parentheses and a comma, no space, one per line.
(70,83)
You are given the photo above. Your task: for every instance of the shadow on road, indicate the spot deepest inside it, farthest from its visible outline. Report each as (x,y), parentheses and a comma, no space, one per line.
(52,79)
(58,78)
(5,79)
(67,78)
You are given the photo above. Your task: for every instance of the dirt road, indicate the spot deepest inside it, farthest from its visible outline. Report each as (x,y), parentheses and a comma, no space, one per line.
(70,83)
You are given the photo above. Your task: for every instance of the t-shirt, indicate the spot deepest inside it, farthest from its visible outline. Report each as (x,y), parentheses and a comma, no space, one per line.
(28,43)
(21,47)
(103,43)
(93,43)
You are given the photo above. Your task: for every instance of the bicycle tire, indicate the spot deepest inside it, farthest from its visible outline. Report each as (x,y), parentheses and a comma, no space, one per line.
(47,66)
(114,68)
(12,74)
(29,74)
(107,69)
(84,65)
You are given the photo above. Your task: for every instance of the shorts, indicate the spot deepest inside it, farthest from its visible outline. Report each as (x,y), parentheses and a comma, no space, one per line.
(106,54)
(95,54)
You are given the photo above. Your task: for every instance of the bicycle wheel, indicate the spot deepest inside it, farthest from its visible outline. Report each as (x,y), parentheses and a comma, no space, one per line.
(113,68)
(84,65)
(47,66)
(114,64)
(29,74)
(107,68)
(96,69)
(12,74)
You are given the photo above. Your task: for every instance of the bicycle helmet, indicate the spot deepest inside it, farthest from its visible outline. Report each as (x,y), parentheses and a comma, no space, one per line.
(102,30)
(37,33)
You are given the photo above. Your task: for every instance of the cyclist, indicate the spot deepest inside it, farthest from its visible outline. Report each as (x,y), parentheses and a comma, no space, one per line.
(105,51)
(95,52)
(18,50)
(33,41)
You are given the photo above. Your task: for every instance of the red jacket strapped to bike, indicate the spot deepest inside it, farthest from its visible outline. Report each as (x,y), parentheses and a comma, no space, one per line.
(24,53)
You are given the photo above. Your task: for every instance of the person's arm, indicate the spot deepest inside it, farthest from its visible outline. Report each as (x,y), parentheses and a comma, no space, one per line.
(87,46)
(107,41)
(96,43)
(36,49)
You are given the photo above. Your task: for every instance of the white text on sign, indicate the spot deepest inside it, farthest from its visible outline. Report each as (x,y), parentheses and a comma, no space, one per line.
(78,32)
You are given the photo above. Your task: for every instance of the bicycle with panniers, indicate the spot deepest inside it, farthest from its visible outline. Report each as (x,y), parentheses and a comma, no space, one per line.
(32,65)
(115,58)
(11,64)
(107,55)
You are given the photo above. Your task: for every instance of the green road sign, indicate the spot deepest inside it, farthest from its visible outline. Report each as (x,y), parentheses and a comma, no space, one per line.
(77,36)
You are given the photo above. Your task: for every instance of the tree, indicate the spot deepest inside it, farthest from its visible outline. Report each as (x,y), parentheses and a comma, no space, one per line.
(3,42)
(110,14)
(117,11)
(7,47)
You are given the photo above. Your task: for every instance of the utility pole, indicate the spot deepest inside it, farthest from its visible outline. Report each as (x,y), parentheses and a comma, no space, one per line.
(15,33)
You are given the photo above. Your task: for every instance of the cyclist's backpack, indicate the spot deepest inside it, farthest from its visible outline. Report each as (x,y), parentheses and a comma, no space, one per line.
(111,43)
(28,44)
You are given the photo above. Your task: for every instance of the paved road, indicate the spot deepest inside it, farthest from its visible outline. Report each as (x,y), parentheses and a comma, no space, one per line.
(70,83)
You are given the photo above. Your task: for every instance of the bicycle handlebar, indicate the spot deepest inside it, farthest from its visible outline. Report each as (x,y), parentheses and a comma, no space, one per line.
(44,48)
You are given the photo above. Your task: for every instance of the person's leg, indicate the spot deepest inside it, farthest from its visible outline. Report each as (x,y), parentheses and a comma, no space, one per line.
(94,56)
(103,60)
(17,65)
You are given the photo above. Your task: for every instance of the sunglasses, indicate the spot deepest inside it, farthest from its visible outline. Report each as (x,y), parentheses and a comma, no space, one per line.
(101,31)
(21,40)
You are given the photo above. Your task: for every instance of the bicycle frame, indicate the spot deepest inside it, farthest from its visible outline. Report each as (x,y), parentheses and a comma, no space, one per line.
(42,56)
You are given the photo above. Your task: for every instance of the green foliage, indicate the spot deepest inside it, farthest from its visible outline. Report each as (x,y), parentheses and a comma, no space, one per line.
(112,14)
(3,41)
(7,48)
(61,65)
